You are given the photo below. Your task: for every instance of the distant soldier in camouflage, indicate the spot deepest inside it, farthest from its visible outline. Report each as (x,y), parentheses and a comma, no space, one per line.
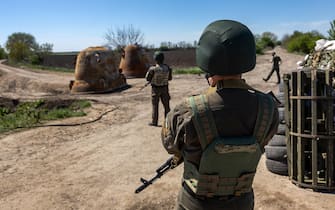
(276,61)
(220,135)
(159,76)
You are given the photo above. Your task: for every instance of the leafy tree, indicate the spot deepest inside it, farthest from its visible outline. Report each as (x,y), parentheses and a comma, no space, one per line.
(121,37)
(42,51)
(331,31)
(45,48)
(267,39)
(270,36)
(164,46)
(2,53)
(20,46)
(301,42)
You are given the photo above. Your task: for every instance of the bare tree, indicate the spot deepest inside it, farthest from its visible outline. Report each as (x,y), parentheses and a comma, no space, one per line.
(121,37)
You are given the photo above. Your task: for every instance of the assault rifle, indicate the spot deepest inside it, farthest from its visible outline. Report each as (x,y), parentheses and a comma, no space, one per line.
(274,97)
(171,163)
(146,84)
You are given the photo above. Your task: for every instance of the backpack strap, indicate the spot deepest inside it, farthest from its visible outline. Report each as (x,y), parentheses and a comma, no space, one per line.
(203,119)
(205,125)
(266,107)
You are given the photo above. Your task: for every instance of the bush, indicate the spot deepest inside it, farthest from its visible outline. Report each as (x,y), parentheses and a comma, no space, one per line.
(35,59)
(259,49)
(3,54)
(301,42)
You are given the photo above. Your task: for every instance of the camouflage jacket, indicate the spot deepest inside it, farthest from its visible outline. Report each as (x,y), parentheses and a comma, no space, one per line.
(235,112)
(159,75)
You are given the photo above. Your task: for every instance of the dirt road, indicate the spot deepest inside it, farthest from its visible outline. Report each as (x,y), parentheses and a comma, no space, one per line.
(98,165)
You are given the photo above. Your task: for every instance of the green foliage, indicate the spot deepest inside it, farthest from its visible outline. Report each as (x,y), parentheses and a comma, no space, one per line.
(331,31)
(3,54)
(163,48)
(42,51)
(259,48)
(192,70)
(61,113)
(4,111)
(19,52)
(81,104)
(301,42)
(20,46)
(35,59)
(266,40)
(28,114)
(35,66)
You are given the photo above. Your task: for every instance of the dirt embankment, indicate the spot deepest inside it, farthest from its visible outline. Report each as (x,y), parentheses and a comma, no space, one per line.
(98,165)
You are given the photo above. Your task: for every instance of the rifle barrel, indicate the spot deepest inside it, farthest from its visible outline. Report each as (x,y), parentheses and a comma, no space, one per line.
(159,172)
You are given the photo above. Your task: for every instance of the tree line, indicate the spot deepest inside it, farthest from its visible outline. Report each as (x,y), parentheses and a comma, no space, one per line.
(22,47)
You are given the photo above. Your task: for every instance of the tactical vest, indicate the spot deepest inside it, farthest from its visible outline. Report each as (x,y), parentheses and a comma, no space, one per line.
(161,75)
(228,164)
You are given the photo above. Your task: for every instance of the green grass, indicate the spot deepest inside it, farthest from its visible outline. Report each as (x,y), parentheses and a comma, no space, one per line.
(191,70)
(48,68)
(29,114)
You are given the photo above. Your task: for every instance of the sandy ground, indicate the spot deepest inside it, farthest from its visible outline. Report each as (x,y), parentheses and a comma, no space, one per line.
(98,165)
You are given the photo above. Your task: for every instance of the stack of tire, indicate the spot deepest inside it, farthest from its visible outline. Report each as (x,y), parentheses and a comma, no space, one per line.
(275,150)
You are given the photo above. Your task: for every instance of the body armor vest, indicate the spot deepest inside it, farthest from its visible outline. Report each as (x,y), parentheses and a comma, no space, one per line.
(161,75)
(228,164)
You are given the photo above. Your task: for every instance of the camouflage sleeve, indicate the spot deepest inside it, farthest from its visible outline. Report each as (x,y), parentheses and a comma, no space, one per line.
(173,131)
(149,75)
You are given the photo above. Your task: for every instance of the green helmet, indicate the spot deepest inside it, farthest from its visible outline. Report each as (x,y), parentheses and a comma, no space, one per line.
(159,56)
(226,47)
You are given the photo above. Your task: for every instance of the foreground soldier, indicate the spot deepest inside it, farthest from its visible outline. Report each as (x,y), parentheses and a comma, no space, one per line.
(221,135)
(159,76)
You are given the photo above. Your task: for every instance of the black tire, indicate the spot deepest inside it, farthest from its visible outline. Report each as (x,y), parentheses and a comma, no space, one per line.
(281,111)
(281,129)
(278,140)
(278,153)
(281,87)
(277,167)
(280,97)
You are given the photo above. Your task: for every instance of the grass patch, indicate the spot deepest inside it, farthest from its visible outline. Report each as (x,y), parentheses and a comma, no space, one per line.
(40,67)
(29,114)
(191,70)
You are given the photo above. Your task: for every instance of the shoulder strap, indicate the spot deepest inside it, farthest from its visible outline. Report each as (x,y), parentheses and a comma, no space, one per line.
(203,119)
(264,116)
(205,125)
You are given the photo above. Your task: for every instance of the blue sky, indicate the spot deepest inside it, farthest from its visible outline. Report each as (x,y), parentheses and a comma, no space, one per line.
(72,25)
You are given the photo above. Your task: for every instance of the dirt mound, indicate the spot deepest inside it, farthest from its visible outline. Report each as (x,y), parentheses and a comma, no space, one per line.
(26,83)
(8,103)
(22,85)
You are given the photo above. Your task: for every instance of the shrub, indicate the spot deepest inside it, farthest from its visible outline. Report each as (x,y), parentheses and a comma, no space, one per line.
(301,42)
